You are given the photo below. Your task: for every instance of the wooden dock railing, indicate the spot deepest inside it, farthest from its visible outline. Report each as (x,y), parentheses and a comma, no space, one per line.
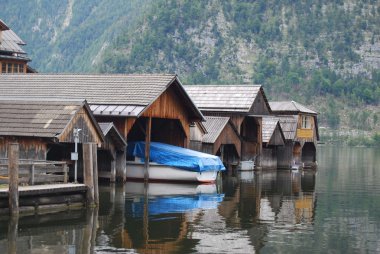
(37,172)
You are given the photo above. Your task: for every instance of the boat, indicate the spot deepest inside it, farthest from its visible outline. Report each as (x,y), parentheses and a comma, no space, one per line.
(172,163)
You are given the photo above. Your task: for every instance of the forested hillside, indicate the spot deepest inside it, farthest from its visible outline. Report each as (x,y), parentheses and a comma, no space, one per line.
(324,53)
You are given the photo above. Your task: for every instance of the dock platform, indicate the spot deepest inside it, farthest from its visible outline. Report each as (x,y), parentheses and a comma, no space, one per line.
(64,188)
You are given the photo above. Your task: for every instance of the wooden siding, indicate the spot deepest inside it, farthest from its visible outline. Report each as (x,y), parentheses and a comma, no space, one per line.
(306,135)
(285,155)
(227,136)
(169,106)
(277,139)
(88,131)
(8,61)
(30,148)
(269,158)
(196,133)
(260,106)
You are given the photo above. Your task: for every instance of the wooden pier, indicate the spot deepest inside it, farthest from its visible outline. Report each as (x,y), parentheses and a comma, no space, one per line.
(53,195)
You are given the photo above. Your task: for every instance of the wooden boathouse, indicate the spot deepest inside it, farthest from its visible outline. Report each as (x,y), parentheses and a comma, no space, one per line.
(152,107)
(221,139)
(273,138)
(300,127)
(36,145)
(13,59)
(244,105)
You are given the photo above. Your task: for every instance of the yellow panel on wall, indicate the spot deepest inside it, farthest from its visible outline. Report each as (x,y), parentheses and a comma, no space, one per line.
(305,133)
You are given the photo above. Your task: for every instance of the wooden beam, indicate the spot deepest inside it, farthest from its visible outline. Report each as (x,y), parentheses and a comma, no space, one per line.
(13,164)
(113,168)
(147,147)
(88,173)
(95,172)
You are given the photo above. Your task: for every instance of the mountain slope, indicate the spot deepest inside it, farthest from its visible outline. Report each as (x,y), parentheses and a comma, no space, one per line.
(320,52)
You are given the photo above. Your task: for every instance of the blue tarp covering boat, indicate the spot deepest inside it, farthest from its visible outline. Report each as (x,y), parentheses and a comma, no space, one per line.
(178,157)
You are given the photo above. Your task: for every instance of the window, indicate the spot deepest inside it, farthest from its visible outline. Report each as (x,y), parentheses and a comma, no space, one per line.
(306,122)
(9,70)
(3,68)
(21,68)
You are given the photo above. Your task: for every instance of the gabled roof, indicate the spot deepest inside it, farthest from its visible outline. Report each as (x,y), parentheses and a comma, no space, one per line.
(127,94)
(289,107)
(269,127)
(227,98)
(109,129)
(9,41)
(214,126)
(3,26)
(289,126)
(38,117)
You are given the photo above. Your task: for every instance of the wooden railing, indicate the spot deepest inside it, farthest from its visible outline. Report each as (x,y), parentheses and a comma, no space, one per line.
(37,172)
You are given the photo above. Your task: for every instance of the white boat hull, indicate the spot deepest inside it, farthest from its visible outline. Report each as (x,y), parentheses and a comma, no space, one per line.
(135,170)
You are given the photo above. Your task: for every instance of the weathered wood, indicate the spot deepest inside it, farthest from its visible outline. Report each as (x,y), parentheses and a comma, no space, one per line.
(121,166)
(88,173)
(113,170)
(147,147)
(65,173)
(95,173)
(13,157)
(171,106)
(31,182)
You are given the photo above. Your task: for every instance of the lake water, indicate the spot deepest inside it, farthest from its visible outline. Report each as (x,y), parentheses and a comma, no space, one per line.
(333,210)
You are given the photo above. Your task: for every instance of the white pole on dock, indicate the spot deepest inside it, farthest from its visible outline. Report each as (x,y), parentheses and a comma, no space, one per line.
(75,155)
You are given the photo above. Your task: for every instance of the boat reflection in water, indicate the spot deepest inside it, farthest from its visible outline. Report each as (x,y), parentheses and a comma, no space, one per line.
(158,215)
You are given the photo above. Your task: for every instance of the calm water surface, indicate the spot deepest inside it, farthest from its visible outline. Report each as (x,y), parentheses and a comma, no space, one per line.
(333,210)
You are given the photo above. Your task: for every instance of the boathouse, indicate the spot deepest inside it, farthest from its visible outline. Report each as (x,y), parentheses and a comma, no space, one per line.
(13,59)
(38,149)
(273,138)
(113,145)
(300,127)
(243,104)
(44,129)
(221,139)
(152,107)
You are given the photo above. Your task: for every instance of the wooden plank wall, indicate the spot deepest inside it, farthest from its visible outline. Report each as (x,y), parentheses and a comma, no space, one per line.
(228,136)
(88,134)
(169,106)
(30,148)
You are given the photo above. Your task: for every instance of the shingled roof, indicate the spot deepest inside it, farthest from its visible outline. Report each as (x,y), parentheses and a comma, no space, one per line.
(10,42)
(214,126)
(289,126)
(120,91)
(228,98)
(289,107)
(269,127)
(109,129)
(36,118)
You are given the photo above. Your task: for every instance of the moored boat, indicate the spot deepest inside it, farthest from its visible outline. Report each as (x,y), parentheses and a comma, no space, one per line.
(172,163)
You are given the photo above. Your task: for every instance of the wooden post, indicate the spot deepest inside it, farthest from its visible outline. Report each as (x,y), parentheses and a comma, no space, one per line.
(113,168)
(65,173)
(31,173)
(121,165)
(147,148)
(13,163)
(88,173)
(95,172)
